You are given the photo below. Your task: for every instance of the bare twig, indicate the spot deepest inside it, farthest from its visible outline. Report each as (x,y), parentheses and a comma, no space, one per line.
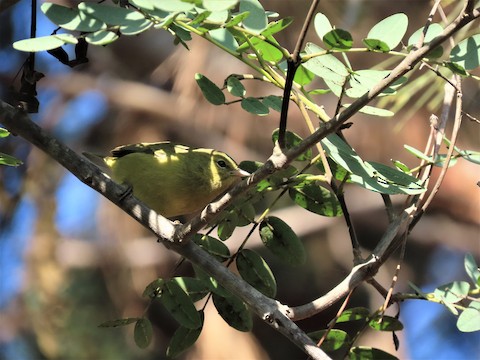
(292,64)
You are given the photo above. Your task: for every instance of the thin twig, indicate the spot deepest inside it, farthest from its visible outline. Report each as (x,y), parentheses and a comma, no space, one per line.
(292,64)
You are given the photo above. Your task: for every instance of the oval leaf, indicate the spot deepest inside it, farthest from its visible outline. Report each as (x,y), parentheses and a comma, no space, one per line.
(102,37)
(315,198)
(365,352)
(195,288)
(182,339)
(254,106)
(234,312)
(71,19)
(354,314)
(467,53)
(179,305)
(390,30)
(256,22)
(338,39)
(254,270)
(210,91)
(227,225)
(280,239)
(44,43)
(235,86)
(143,333)
(224,38)
(322,25)
(213,246)
(469,319)
(385,323)
(336,339)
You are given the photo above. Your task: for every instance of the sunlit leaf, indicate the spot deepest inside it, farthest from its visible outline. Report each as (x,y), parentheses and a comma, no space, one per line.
(336,339)
(389,31)
(354,314)
(467,53)
(338,39)
(9,160)
(472,269)
(224,38)
(70,18)
(385,323)
(219,5)
(469,319)
(44,43)
(256,22)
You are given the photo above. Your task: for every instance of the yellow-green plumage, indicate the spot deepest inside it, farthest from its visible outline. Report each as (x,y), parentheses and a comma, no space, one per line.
(173,179)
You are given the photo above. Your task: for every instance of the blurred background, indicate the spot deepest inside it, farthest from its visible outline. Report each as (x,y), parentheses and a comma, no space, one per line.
(70,260)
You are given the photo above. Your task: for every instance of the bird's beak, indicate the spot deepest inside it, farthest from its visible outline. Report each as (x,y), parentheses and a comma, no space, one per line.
(241,173)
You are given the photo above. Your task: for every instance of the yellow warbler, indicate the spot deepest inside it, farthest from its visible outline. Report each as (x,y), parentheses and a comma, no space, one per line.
(171,179)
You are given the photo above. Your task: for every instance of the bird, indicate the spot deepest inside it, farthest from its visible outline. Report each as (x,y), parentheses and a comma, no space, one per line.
(170,178)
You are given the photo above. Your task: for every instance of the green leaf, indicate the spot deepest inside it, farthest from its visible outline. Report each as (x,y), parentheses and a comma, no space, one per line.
(365,352)
(118,322)
(385,323)
(277,26)
(213,246)
(370,175)
(315,198)
(354,314)
(143,333)
(256,22)
(432,32)
(235,87)
(224,38)
(44,43)
(71,19)
(195,288)
(336,339)
(210,282)
(280,239)
(254,106)
(154,289)
(292,140)
(234,312)
(112,15)
(136,27)
(182,339)
(376,45)
(237,19)
(266,50)
(102,37)
(273,102)
(227,225)
(469,319)
(401,166)
(246,214)
(390,31)
(338,39)
(371,110)
(327,66)
(254,270)
(419,154)
(4,132)
(472,269)
(472,156)
(363,81)
(456,68)
(303,76)
(452,292)
(175,5)
(219,5)
(467,53)
(9,160)
(322,25)
(179,305)
(210,91)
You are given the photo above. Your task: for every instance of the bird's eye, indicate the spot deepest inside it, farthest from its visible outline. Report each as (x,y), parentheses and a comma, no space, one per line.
(222,163)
